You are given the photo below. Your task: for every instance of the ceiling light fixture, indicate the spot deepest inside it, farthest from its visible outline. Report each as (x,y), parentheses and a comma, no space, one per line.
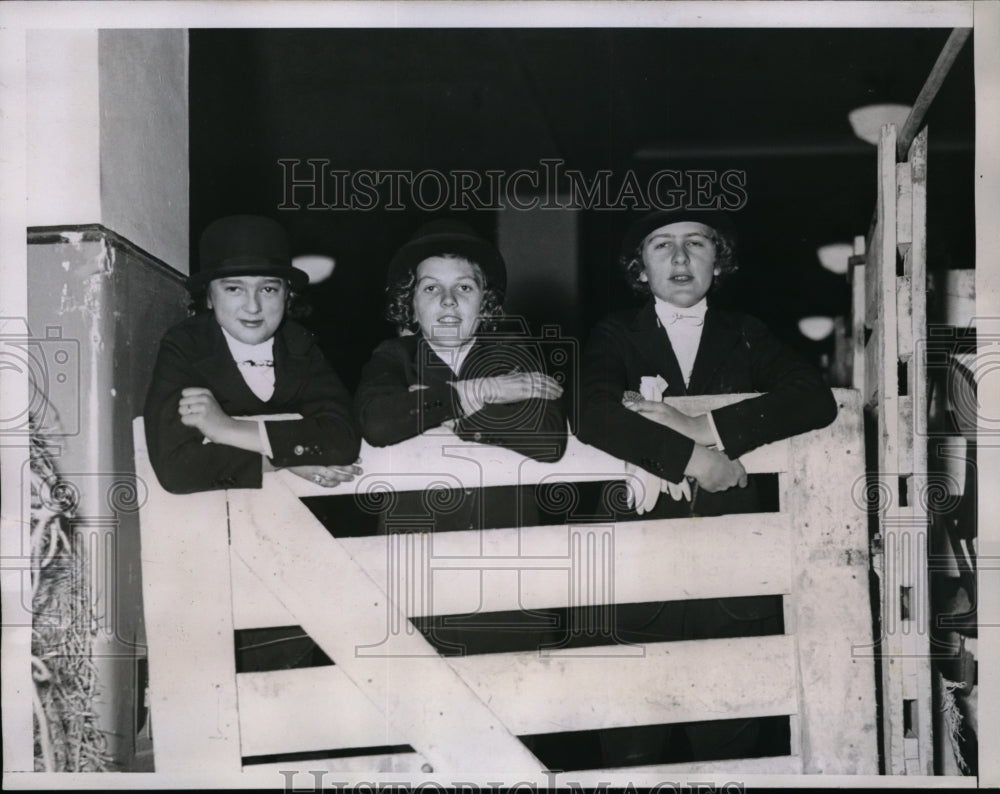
(834,257)
(318,268)
(816,328)
(867,121)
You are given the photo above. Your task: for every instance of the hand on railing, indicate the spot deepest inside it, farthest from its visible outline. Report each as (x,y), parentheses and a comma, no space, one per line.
(514,387)
(714,471)
(694,427)
(327,476)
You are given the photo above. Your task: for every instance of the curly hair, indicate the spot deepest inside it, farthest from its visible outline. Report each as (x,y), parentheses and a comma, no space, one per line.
(399,299)
(725,260)
(296,306)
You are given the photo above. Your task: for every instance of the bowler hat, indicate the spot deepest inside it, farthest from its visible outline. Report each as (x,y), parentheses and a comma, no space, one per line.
(245,245)
(640,228)
(447,236)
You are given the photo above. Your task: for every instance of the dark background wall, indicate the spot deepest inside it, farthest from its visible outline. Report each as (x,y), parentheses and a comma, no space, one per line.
(770,104)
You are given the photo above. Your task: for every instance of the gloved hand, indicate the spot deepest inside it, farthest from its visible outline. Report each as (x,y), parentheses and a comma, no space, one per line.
(643,488)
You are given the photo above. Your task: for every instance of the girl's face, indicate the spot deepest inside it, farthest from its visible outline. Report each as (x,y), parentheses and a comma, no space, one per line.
(679,262)
(250,308)
(447,298)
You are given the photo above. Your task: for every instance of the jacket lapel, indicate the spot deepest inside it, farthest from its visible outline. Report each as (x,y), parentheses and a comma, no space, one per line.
(286,362)
(652,341)
(474,363)
(718,338)
(221,371)
(430,369)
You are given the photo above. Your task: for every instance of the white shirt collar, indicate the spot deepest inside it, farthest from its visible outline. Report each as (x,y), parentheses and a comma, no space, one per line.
(666,311)
(685,337)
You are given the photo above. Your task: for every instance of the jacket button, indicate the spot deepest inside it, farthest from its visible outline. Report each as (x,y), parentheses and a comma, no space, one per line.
(298,449)
(477,436)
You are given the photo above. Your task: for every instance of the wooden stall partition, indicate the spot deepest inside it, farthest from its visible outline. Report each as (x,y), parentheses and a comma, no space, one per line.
(895,389)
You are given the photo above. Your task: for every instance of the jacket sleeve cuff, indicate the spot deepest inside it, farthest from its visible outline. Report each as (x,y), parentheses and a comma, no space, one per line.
(265,442)
(672,459)
(715,433)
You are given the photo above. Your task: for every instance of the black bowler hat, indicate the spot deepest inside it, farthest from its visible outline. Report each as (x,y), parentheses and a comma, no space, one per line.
(245,245)
(642,227)
(446,236)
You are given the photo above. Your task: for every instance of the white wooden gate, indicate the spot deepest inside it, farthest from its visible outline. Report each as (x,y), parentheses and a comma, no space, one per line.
(221,561)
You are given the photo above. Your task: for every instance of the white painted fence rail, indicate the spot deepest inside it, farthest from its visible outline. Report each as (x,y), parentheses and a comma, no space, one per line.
(216,562)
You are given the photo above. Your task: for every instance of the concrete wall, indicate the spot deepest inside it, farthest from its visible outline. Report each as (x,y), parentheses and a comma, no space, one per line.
(107,135)
(144,140)
(63,128)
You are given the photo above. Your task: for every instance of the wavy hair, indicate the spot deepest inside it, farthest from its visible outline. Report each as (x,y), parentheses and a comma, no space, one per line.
(725,260)
(399,299)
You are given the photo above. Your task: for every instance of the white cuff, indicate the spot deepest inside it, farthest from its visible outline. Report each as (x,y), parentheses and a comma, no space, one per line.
(265,442)
(715,433)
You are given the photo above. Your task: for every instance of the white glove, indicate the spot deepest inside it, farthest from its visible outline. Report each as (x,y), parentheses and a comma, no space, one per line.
(642,488)
(677,490)
(651,387)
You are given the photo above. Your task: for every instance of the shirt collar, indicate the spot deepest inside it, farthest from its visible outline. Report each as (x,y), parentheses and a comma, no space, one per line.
(666,311)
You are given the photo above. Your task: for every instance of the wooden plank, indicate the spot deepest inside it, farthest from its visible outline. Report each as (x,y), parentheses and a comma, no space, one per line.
(945,60)
(439,456)
(904,306)
(873,267)
(908,664)
(873,356)
(918,432)
(883,366)
(795,734)
(904,227)
(858,327)
(316,708)
(775,765)
(663,560)
(888,317)
(308,571)
(905,450)
(188,625)
(830,596)
(254,607)
(708,679)
(304,773)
